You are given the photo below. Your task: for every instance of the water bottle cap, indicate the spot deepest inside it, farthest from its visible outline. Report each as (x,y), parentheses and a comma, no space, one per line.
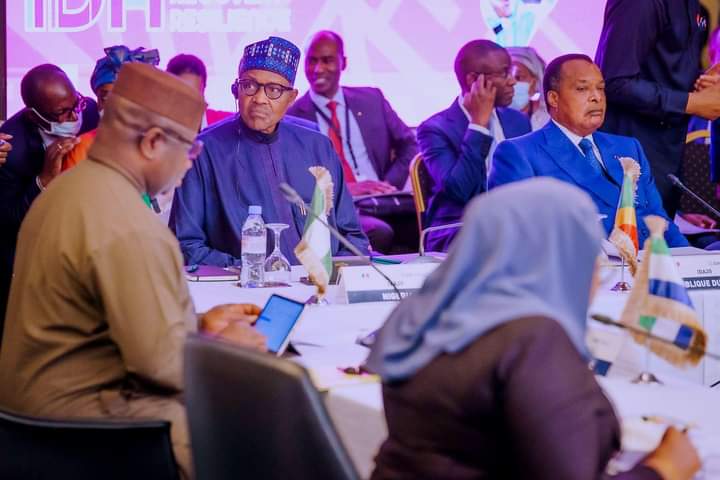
(255,210)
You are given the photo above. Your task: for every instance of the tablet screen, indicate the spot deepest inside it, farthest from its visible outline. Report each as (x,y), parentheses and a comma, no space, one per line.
(277,320)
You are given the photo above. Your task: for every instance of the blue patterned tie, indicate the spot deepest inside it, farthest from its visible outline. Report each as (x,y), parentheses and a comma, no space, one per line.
(587,149)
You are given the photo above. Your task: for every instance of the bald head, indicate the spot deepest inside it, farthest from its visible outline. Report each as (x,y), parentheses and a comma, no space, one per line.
(48,90)
(324,62)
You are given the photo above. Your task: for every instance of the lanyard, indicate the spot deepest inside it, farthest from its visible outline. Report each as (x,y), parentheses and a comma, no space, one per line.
(345,138)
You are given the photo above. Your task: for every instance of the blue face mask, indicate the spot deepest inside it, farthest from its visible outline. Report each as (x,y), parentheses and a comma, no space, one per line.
(521,97)
(62,129)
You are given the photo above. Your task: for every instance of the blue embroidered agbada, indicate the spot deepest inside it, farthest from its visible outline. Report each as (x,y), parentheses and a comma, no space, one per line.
(240,167)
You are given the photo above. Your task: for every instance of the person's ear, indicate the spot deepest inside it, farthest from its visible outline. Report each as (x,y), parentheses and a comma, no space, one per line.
(552,99)
(292,95)
(343,63)
(151,142)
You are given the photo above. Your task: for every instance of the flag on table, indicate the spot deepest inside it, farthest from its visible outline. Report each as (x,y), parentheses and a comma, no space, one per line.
(314,251)
(660,304)
(624,234)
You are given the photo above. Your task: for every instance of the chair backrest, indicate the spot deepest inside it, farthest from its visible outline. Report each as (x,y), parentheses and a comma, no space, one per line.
(255,415)
(39,448)
(422,185)
(696,174)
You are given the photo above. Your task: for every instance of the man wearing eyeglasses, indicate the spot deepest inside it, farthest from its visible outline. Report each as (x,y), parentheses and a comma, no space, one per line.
(42,135)
(457,144)
(99,302)
(246,157)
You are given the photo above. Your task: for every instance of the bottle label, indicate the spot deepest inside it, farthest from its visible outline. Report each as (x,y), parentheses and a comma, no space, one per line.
(254,245)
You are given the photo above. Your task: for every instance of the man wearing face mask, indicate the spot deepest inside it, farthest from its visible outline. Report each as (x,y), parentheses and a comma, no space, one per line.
(457,144)
(528,70)
(247,156)
(42,134)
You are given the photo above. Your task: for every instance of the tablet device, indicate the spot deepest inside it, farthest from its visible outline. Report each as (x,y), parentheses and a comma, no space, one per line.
(277,320)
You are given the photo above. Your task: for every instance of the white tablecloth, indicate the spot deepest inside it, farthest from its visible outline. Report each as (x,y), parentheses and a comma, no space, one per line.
(326,338)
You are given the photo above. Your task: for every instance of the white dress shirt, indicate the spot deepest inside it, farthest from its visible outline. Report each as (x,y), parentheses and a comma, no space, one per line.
(364,170)
(575,139)
(494,130)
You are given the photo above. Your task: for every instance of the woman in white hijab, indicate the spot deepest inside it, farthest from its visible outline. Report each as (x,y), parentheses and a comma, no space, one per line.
(529,70)
(485,369)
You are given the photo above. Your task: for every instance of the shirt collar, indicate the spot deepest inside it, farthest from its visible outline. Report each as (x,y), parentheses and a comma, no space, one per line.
(322,102)
(493,116)
(573,137)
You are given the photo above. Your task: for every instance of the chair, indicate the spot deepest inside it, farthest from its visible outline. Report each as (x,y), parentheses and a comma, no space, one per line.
(41,448)
(696,173)
(422,186)
(254,415)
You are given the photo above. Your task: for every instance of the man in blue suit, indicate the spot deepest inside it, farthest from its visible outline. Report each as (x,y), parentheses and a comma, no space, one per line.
(570,148)
(457,143)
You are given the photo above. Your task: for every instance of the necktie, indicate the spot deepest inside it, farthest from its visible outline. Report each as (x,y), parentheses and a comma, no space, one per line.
(587,149)
(334,134)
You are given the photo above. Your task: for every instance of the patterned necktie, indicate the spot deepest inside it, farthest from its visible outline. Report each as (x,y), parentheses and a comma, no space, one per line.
(587,149)
(334,134)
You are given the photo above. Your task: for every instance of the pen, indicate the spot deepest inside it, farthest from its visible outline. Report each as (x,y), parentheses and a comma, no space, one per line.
(660,420)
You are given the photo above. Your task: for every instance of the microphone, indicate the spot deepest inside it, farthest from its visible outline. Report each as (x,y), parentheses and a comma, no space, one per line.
(292,196)
(676,181)
(609,321)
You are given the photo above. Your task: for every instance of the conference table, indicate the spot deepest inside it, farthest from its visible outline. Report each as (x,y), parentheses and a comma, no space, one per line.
(326,339)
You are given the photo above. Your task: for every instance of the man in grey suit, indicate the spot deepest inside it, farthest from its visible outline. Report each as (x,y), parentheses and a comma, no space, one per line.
(373,143)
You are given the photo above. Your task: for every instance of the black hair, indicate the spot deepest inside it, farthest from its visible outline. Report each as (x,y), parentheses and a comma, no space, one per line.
(33,79)
(336,38)
(186,63)
(469,55)
(553,72)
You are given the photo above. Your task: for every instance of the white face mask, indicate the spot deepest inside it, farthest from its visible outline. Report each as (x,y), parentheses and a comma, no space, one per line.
(62,129)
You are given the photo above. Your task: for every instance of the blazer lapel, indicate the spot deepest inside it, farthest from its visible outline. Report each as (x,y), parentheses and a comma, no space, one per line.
(569,158)
(304,108)
(358,110)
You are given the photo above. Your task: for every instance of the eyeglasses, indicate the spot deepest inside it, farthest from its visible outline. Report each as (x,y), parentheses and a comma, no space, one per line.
(79,106)
(196,145)
(273,91)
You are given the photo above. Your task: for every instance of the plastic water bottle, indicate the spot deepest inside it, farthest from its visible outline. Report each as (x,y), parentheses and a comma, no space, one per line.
(254,248)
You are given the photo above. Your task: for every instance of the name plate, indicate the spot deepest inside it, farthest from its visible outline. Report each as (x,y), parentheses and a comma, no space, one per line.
(700,272)
(362,283)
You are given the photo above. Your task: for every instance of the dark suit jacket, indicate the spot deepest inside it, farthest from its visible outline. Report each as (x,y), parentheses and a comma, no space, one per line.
(18,188)
(455,157)
(389,142)
(649,54)
(518,403)
(548,152)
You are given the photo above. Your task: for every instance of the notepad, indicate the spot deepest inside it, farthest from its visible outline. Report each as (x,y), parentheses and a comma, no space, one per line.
(210,273)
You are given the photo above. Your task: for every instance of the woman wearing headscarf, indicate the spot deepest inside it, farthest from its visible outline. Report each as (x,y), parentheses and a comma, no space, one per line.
(528,70)
(101,81)
(485,370)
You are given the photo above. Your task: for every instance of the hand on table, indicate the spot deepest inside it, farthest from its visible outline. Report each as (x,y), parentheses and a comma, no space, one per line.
(699,220)
(233,322)
(5,147)
(370,187)
(675,458)
(706,80)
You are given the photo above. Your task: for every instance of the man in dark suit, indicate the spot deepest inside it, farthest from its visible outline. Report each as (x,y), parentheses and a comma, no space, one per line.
(571,149)
(374,144)
(649,52)
(457,143)
(42,134)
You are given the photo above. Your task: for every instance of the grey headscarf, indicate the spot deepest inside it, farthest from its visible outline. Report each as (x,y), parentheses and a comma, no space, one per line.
(529,57)
(527,248)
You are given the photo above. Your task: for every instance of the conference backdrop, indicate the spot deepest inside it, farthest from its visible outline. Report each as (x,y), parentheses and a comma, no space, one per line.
(405,47)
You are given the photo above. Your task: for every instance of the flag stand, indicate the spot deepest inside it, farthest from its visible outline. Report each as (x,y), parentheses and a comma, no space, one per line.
(646,377)
(622,285)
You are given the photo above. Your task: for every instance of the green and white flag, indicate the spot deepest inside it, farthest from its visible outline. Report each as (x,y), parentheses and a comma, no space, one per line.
(314,251)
